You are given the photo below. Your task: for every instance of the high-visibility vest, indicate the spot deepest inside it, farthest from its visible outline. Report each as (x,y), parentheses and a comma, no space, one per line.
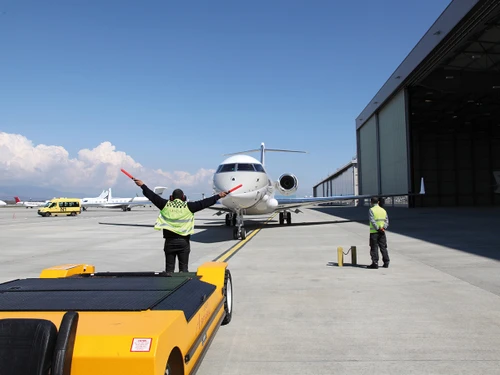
(176,217)
(380,215)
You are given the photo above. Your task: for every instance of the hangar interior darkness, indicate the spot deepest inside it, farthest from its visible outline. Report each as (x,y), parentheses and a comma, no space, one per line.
(454,117)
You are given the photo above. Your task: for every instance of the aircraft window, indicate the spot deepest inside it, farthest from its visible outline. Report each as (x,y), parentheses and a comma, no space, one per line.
(259,168)
(245,167)
(228,168)
(219,169)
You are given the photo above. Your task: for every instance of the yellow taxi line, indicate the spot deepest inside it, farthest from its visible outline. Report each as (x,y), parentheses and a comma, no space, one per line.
(235,248)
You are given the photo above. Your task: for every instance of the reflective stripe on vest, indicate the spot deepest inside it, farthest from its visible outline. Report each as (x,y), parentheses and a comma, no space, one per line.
(176,217)
(380,215)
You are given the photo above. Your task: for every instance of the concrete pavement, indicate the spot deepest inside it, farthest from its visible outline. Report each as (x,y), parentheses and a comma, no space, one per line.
(436,310)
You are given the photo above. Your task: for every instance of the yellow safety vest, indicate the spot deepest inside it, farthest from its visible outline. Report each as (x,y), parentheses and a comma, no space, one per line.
(176,217)
(380,215)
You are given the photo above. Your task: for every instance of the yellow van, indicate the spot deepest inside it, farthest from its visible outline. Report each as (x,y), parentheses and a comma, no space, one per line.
(61,206)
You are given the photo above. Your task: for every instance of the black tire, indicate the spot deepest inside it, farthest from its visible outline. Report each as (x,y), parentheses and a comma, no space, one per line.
(235,233)
(288,218)
(282,218)
(228,220)
(73,214)
(47,214)
(228,297)
(243,233)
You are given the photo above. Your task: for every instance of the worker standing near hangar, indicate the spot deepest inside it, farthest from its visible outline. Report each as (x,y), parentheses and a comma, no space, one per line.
(176,219)
(379,221)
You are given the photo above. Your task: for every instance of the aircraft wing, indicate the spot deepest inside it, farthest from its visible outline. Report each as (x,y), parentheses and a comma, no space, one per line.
(299,202)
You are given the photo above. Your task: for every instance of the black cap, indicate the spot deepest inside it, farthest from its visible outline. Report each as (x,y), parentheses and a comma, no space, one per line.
(177,194)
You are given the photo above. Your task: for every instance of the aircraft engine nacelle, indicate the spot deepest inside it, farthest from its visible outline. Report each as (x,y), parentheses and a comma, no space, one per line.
(287,184)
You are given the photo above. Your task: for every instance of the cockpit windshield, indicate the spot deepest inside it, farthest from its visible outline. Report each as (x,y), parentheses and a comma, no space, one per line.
(226,168)
(247,167)
(259,168)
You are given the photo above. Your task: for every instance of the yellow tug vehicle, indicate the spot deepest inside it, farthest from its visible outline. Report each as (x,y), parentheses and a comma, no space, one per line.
(72,320)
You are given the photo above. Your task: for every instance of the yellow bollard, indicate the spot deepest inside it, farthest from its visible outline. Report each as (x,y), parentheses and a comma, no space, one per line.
(340,256)
(354,255)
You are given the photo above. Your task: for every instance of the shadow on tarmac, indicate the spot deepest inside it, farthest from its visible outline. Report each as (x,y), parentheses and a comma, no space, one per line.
(334,264)
(470,229)
(221,233)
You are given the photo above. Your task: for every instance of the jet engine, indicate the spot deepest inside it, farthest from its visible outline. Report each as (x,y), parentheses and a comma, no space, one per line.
(287,184)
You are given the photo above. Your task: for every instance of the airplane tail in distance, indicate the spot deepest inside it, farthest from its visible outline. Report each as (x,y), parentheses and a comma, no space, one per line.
(103,194)
(263,150)
(159,190)
(17,199)
(109,195)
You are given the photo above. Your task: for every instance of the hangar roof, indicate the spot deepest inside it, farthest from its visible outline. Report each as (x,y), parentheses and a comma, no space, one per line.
(462,43)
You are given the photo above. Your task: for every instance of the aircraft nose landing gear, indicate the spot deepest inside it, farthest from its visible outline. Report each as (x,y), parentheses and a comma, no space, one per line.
(236,220)
(239,233)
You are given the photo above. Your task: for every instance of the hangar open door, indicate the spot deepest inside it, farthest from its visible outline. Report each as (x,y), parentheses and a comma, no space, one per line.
(455,122)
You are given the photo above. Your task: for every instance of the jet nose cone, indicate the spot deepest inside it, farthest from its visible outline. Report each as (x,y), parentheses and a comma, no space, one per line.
(224,184)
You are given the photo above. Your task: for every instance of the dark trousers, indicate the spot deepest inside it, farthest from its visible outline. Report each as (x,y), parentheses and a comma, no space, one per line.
(378,240)
(176,247)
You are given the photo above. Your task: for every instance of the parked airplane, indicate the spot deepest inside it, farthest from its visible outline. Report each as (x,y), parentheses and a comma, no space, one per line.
(2,203)
(97,200)
(107,201)
(29,204)
(257,193)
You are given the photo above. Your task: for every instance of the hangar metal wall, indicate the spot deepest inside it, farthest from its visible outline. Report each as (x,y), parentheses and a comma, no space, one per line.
(341,183)
(393,146)
(367,156)
(344,184)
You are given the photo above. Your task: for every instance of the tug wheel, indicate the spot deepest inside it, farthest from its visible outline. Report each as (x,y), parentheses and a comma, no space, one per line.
(228,297)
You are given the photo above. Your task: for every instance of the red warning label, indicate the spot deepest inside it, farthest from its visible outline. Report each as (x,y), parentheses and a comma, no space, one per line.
(141,345)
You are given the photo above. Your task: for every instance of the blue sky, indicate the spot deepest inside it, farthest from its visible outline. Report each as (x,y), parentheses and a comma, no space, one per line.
(173,85)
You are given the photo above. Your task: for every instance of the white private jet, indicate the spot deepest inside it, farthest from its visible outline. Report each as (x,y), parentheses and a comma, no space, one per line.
(256,196)
(107,201)
(29,204)
(93,202)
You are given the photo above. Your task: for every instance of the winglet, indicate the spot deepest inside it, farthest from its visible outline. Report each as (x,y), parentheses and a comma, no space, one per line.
(422,187)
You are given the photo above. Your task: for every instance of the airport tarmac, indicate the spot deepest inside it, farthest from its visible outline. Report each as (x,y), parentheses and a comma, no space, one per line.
(436,310)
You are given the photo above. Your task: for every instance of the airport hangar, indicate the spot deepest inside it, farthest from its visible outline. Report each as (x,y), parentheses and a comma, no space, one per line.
(437,116)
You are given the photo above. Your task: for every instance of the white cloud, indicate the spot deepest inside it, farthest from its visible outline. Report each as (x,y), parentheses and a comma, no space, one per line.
(23,162)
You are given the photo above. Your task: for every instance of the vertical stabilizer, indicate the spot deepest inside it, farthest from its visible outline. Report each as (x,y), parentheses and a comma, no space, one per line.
(263,151)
